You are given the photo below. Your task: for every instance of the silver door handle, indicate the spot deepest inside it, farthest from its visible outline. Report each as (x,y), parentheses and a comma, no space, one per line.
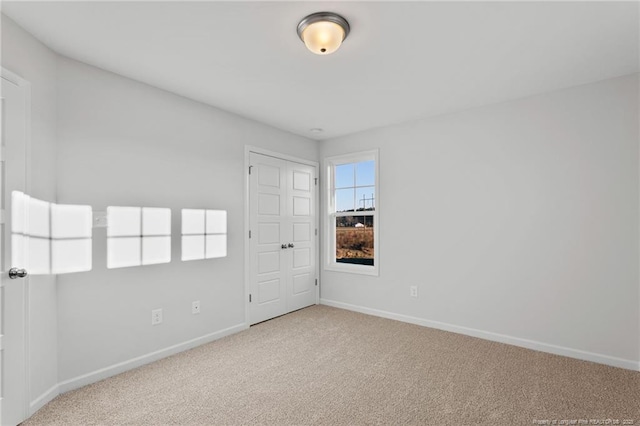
(290,245)
(17,273)
(284,246)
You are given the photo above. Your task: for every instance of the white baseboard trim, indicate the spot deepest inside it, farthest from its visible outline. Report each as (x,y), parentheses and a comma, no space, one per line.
(121,367)
(44,399)
(487,335)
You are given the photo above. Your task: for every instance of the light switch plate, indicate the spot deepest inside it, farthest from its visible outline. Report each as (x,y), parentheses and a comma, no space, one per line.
(100,220)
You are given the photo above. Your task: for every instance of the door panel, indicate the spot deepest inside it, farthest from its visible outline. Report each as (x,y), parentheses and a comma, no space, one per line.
(268,261)
(301,291)
(267,202)
(301,257)
(268,291)
(301,232)
(268,233)
(301,284)
(283,246)
(14,292)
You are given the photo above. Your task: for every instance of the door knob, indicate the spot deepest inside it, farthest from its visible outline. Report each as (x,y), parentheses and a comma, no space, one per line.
(290,245)
(17,273)
(284,246)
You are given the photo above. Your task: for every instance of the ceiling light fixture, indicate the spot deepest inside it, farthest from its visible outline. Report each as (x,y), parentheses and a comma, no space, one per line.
(323,32)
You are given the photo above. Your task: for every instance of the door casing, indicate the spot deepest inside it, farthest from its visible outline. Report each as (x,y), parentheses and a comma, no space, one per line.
(25,88)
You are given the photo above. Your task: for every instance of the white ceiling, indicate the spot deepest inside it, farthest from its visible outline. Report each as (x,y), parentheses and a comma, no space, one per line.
(402,60)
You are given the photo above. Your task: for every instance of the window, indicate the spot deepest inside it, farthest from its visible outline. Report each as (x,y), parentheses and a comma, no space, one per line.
(352,219)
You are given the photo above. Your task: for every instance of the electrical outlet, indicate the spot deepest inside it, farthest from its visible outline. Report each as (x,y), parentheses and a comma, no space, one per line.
(413,291)
(156,316)
(195,307)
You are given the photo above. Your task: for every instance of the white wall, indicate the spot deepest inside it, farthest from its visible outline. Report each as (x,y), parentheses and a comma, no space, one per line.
(519,219)
(124,143)
(30,59)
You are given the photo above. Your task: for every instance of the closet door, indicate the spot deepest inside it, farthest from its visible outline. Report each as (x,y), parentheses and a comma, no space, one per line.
(301,228)
(267,217)
(282,220)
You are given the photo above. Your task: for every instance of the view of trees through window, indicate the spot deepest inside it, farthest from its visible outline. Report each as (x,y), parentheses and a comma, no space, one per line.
(354,212)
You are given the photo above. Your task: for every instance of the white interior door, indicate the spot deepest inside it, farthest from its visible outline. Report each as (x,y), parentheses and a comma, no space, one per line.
(283,223)
(300,234)
(267,207)
(13,292)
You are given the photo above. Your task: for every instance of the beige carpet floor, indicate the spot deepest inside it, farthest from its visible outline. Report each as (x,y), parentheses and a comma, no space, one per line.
(324,365)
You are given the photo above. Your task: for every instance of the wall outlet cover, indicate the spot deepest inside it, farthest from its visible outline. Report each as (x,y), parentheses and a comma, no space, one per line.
(156,316)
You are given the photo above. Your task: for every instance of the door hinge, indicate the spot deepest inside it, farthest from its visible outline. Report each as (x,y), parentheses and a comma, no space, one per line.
(250,167)
(249,234)
(316,281)
(316,181)
(249,298)
(316,231)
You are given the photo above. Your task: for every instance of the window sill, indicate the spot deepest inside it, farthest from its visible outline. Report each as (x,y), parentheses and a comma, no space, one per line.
(352,269)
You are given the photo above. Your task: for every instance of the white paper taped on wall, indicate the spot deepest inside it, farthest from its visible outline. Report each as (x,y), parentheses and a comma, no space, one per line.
(204,234)
(49,238)
(138,236)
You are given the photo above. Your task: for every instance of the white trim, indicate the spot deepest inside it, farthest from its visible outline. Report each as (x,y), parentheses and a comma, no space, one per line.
(261,151)
(43,399)
(24,84)
(495,337)
(121,367)
(245,236)
(329,263)
(248,149)
(14,78)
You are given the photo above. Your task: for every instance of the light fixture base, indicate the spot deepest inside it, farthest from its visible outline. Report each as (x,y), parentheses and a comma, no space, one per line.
(324,16)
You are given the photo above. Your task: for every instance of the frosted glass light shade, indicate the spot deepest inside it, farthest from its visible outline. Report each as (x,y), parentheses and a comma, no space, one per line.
(323,32)
(323,38)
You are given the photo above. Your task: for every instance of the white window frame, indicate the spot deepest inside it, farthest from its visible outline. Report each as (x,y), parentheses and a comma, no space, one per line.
(330,263)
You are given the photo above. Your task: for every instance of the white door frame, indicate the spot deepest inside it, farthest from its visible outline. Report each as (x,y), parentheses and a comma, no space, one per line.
(26,86)
(248,149)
